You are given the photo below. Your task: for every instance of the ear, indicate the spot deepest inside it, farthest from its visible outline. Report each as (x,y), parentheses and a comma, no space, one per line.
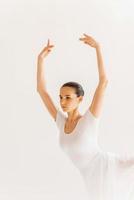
(80,98)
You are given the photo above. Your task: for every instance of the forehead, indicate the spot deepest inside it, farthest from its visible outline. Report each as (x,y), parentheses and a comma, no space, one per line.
(67,91)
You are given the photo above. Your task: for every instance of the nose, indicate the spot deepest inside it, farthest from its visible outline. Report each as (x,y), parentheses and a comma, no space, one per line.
(63,102)
(63,105)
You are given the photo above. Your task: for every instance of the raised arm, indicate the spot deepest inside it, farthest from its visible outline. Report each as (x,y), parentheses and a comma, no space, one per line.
(96,104)
(41,82)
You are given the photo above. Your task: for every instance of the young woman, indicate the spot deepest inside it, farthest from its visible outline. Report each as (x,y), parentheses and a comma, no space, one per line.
(107,176)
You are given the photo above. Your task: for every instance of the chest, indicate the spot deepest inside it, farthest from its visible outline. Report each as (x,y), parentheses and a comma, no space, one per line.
(69,127)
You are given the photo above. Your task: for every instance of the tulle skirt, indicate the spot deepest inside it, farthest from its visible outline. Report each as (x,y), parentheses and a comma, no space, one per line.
(109,176)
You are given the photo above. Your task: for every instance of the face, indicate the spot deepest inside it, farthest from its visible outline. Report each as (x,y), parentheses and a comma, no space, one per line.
(68,99)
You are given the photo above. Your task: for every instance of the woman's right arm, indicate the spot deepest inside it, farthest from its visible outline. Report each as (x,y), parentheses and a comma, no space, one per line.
(41,82)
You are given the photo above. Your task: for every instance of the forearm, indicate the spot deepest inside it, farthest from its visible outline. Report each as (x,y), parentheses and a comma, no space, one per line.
(101,70)
(41,82)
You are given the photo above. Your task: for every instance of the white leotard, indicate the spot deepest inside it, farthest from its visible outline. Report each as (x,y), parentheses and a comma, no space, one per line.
(107,176)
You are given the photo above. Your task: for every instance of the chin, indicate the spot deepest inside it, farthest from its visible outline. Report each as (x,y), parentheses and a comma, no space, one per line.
(65,109)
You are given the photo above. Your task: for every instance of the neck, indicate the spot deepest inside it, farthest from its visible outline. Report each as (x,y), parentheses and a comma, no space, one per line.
(73,115)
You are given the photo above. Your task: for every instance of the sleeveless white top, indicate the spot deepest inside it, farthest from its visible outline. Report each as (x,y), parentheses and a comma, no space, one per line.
(107,176)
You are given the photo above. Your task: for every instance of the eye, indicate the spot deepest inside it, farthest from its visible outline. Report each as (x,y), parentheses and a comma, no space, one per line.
(66,97)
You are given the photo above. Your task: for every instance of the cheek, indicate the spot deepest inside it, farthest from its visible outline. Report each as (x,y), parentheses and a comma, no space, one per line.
(74,103)
(69,102)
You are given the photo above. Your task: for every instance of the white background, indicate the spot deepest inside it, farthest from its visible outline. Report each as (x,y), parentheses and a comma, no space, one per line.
(32,166)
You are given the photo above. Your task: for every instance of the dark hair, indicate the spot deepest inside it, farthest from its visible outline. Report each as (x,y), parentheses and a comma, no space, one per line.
(78,88)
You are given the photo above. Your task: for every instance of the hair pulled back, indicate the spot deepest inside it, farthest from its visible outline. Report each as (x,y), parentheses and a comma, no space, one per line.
(78,88)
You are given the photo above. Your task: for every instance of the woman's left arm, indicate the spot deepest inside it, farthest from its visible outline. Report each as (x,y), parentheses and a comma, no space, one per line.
(97,100)
(101,70)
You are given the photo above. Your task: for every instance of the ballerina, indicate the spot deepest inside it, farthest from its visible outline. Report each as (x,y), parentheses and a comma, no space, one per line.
(107,176)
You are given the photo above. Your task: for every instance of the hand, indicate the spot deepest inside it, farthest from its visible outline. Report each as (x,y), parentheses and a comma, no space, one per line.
(45,50)
(89,40)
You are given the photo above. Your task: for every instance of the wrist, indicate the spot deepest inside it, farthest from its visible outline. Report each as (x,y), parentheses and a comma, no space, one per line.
(40,58)
(97,45)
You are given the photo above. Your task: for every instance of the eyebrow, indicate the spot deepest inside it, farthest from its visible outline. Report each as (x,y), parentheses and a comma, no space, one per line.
(65,95)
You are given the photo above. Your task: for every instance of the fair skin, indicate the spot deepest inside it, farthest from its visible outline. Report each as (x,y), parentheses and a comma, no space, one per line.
(72,108)
(70,103)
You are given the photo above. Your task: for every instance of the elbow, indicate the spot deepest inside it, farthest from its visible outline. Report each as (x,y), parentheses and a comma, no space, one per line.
(37,89)
(106,81)
(103,81)
(41,90)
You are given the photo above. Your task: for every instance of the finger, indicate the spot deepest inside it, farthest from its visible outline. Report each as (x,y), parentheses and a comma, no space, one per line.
(86,35)
(91,38)
(48,43)
(51,45)
(81,38)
